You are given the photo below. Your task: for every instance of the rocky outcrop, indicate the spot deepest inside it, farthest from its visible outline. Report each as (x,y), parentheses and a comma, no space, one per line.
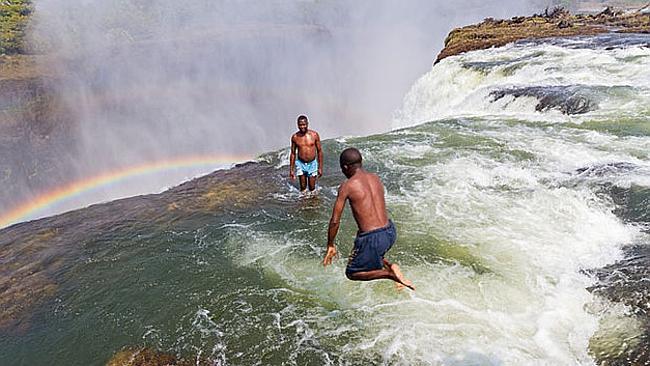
(553,23)
(14,16)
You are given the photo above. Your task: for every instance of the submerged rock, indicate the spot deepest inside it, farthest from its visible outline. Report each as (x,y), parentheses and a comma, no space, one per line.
(567,99)
(36,254)
(607,169)
(626,282)
(149,357)
(26,279)
(141,357)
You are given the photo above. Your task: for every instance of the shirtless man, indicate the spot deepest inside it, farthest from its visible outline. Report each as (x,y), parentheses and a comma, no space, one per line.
(376,233)
(309,164)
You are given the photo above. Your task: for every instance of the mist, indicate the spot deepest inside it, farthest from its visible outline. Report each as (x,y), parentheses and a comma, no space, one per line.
(156,79)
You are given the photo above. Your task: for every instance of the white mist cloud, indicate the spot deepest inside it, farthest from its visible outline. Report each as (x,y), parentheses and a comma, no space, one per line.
(153,79)
(150,77)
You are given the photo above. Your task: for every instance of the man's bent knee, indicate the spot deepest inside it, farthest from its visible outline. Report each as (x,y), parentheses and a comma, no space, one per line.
(351,276)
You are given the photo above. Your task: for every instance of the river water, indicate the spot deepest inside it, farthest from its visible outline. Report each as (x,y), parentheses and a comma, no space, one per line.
(518,178)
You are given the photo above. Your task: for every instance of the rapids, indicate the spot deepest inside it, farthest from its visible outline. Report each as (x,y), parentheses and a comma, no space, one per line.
(523,227)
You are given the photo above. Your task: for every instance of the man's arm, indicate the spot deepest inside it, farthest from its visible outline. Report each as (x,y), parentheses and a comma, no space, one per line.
(335,221)
(320,156)
(292,159)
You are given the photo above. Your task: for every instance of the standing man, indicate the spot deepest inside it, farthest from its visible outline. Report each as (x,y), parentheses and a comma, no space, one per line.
(376,234)
(309,164)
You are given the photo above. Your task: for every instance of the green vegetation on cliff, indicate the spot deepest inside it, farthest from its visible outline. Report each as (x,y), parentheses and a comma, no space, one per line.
(14,15)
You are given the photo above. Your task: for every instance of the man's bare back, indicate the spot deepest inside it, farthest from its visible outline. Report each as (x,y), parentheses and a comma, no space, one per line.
(366,194)
(376,234)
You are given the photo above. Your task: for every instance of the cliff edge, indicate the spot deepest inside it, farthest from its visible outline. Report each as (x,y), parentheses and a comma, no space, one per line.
(557,22)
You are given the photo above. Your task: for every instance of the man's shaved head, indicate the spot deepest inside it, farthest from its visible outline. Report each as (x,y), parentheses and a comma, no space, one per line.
(350,157)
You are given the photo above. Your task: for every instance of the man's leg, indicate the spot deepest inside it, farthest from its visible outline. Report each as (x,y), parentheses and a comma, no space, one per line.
(303,182)
(312,183)
(397,271)
(391,271)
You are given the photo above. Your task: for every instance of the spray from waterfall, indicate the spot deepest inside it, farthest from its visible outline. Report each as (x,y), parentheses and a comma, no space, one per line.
(156,80)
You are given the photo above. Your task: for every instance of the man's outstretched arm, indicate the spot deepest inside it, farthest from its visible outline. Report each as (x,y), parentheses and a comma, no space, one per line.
(333,229)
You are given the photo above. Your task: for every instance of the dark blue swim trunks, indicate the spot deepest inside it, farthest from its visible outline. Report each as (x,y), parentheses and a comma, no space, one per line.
(369,249)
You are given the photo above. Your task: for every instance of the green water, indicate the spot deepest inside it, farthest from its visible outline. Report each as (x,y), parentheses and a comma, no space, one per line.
(512,224)
(247,287)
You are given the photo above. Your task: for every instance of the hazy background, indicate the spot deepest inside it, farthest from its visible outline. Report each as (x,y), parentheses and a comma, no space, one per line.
(154,79)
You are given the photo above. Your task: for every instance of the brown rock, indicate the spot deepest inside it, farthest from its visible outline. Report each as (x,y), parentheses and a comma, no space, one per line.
(142,357)
(149,357)
(557,22)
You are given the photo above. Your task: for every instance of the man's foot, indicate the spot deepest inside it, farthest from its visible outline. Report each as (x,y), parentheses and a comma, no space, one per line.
(400,282)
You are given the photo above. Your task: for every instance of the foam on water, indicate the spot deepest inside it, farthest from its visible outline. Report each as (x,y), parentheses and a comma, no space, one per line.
(500,217)
(460,85)
(503,211)
(495,244)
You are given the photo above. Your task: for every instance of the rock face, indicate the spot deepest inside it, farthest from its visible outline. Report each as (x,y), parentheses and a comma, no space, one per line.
(36,129)
(555,23)
(14,15)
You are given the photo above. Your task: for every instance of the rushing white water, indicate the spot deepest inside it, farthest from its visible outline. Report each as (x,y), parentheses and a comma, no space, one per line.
(460,85)
(498,214)
(531,170)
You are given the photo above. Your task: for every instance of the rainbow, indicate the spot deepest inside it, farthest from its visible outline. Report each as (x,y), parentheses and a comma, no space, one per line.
(57,195)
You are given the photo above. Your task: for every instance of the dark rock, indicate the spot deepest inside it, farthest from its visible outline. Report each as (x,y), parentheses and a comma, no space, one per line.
(517,20)
(557,12)
(568,99)
(150,357)
(610,12)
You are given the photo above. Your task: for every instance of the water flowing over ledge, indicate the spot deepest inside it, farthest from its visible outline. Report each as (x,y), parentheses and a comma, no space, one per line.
(524,224)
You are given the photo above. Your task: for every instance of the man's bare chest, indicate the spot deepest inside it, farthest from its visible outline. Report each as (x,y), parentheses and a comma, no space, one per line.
(306,140)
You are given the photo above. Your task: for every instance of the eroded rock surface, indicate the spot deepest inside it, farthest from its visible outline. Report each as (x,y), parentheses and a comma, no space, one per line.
(555,23)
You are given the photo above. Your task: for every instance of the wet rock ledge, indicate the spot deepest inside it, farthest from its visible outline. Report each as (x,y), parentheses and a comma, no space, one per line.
(557,22)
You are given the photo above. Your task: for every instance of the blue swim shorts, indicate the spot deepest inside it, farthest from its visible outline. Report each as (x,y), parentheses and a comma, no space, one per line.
(308,169)
(369,249)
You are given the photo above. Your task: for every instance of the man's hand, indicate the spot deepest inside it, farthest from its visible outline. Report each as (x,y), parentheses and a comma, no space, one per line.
(331,252)
(292,175)
(320,172)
